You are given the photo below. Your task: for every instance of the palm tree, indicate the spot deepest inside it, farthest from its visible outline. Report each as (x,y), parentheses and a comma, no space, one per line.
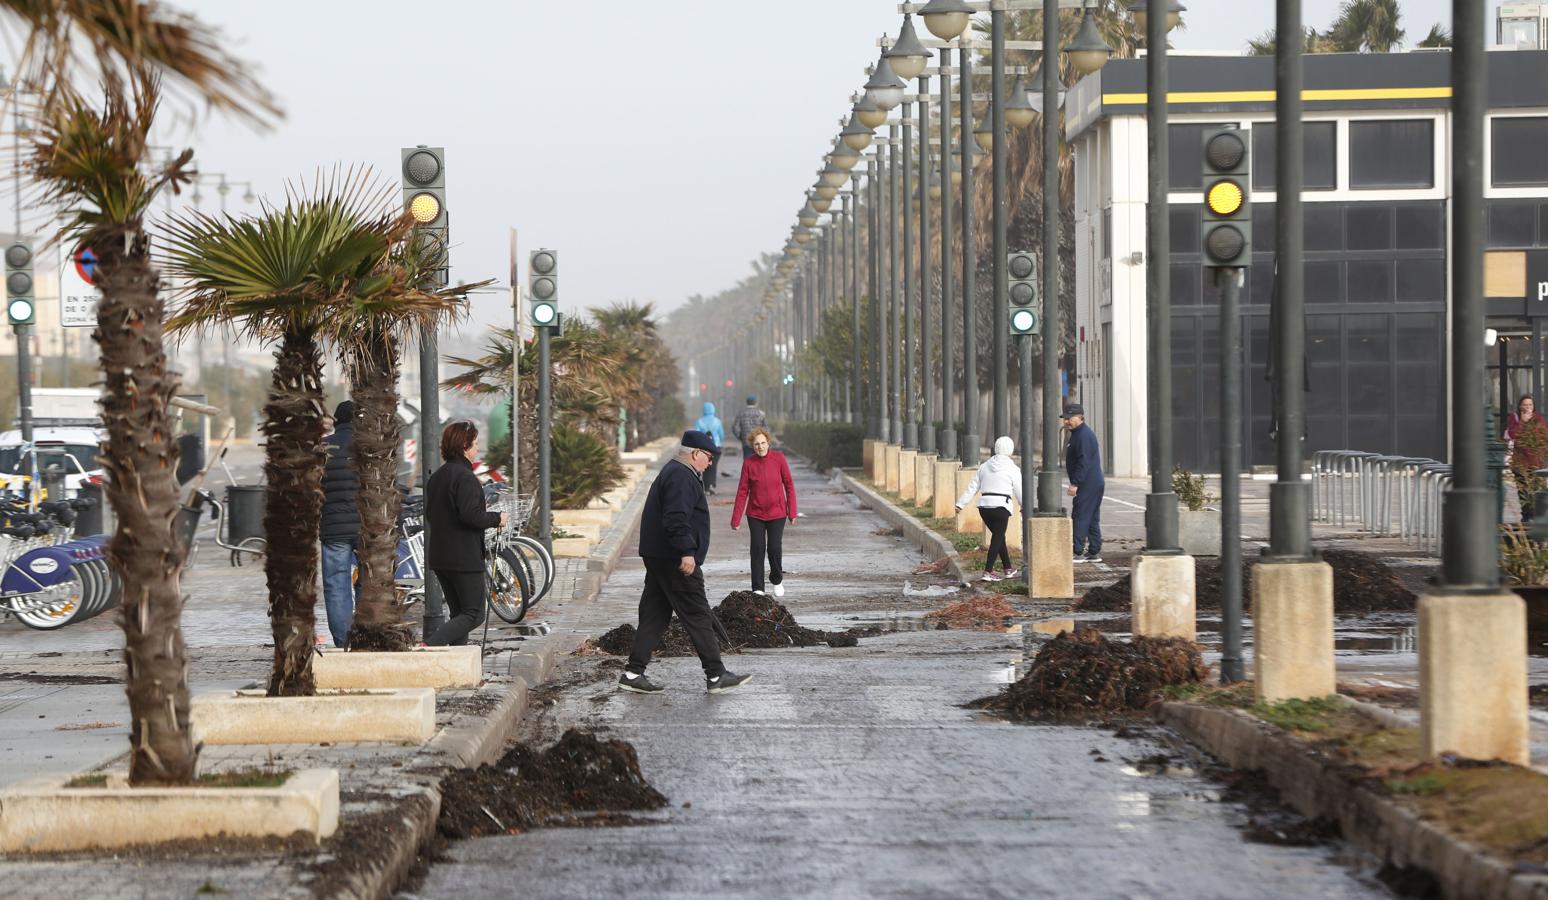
(1438,37)
(370,329)
(279,276)
(1367,25)
(635,323)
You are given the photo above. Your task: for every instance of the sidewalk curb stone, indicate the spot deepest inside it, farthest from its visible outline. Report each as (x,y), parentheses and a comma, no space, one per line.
(917,533)
(1316,787)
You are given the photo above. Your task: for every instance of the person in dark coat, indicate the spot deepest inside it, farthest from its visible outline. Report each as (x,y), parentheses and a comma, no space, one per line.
(457,519)
(674,539)
(340,525)
(1083,463)
(749,418)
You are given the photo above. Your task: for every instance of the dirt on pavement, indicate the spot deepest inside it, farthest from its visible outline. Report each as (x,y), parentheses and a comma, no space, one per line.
(1361,584)
(1085,673)
(983,611)
(751,621)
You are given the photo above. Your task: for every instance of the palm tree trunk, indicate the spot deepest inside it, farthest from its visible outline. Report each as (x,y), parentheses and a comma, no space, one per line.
(373,375)
(292,511)
(140,457)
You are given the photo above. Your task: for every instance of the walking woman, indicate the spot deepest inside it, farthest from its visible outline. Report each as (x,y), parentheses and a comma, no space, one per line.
(997,482)
(454,511)
(1527,434)
(767,495)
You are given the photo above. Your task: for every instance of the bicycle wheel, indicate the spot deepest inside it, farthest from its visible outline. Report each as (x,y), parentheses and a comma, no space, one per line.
(508,590)
(254,546)
(541,565)
(66,602)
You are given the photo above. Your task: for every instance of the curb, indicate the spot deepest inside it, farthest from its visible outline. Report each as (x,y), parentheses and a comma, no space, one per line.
(399,847)
(917,533)
(1318,787)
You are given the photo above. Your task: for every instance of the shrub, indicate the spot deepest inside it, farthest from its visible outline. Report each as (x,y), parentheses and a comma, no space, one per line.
(1189,489)
(584,467)
(1522,560)
(826,445)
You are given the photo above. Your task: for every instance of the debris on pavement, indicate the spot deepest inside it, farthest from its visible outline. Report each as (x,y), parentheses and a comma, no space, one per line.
(982,611)
(751,621)
(939,567)
(561,785)
(1082,673)
(1361,584)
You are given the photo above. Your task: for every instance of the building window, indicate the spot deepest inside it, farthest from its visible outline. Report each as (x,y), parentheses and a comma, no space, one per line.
(1516,151)
(1185,156)
(1392,154)
(1319,156)
(1512,223)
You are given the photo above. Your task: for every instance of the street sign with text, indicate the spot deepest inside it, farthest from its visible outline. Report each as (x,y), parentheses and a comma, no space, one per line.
(78,293)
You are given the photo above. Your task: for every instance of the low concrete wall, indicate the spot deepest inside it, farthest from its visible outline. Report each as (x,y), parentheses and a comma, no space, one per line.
(1317,786)
(423,667)
(404,715)
(915,531)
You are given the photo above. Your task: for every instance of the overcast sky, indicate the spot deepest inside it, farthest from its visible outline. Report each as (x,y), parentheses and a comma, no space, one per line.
(657,146)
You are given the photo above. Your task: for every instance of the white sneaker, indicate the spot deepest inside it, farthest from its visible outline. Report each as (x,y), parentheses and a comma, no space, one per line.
(760,593)
(990,576)
(779,590)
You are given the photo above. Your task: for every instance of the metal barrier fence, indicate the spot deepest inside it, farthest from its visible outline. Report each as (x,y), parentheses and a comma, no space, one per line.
(1385,495)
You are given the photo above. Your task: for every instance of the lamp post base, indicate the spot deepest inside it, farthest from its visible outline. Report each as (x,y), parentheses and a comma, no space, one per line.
(1292,611)
(1164,596)
(1052,571)
(1473,677)
(924,479)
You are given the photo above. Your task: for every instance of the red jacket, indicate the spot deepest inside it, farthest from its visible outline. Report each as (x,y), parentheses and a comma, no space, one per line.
(767,484)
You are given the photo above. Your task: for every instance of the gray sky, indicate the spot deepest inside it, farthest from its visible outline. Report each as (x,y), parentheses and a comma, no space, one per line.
(658,146)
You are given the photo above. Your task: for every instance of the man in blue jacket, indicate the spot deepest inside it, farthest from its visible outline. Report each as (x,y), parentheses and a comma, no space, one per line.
(1083,463)
(674,539)
(710,424)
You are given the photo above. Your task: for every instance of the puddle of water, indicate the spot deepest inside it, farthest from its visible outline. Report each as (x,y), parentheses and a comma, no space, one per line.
(934,590)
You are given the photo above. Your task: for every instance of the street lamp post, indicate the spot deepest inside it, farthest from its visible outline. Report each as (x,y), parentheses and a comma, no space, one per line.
(910,398)
(1160,503)
(927,433)
(1000,319)
(895,177)
(948,443)
(970,438)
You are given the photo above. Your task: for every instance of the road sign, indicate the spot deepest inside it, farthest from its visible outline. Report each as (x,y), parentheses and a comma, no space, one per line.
(78,294)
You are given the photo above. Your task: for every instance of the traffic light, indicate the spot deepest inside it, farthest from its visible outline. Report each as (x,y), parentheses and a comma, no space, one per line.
(20,299)
(730,383)
(424,198)
(1021,269)
(1227,233)
(543,287)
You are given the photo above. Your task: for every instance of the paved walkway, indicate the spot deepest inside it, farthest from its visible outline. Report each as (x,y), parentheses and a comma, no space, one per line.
(856,773)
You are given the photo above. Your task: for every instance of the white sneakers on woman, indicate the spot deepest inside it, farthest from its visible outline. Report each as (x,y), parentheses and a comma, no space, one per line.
(779,590)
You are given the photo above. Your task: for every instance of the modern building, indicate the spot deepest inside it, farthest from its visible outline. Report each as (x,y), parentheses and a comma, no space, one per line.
(1378,215)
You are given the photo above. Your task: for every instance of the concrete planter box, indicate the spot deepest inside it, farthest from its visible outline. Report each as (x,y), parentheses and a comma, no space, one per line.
(1199,531)
(402,715)
(565,518)
(422,667)
(592,533)
(41,815)
(572,548)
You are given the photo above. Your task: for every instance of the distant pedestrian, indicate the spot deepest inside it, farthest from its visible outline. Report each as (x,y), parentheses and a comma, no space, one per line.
(455,514)
(1083,463)
(340,529)
(674,539)
(1527,435)
(747,419)
(997,482)
(767,494)
(710,424)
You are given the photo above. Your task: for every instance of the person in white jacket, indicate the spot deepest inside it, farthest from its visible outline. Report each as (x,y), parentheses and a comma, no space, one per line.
(997,482)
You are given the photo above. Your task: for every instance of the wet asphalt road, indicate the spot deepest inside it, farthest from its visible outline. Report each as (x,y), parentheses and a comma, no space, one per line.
(856,773)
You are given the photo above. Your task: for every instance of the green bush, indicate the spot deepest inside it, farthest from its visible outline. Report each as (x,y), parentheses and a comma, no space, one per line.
(826,445)
(584,467)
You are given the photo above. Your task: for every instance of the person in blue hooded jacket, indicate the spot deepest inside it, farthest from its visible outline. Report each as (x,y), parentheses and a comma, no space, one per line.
(710,424)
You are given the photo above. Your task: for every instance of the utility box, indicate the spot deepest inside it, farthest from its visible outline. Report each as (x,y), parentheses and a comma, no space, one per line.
(1521,26)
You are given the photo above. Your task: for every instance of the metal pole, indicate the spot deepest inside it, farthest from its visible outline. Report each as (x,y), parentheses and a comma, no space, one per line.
(873,233)
(1469,548)
(852,399)
(429,449)
(1232,668)
(1028,477)
(23,344)
(927,431)
(1001,318)
(1160,503)
(969,272)
(894,285)
(545,435)
(515,480)
(1289,513)
(1049,495)
(948,443)
(910,397)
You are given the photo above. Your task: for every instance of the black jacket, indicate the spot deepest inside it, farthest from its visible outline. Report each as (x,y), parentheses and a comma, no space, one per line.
(676,521)
(455,514)
(340,517)
(1083,459)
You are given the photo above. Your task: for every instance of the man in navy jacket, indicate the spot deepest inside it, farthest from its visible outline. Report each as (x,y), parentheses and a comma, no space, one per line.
(1083,463)
(674,539)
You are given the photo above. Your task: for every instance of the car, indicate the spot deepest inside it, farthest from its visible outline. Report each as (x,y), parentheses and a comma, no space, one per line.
(72,448)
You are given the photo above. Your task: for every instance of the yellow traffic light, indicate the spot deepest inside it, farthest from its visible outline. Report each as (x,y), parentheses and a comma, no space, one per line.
(425,207)
(1224,198)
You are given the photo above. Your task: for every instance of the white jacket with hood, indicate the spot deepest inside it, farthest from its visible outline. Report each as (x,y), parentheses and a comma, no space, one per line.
(996,481)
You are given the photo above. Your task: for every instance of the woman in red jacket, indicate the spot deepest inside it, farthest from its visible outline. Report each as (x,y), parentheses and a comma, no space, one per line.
(767,495)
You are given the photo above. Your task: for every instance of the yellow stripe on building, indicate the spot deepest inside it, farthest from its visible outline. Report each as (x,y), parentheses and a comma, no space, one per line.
(1414,93)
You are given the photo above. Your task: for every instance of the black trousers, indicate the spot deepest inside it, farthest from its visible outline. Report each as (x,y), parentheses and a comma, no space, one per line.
(467,593)
(712,474)
(668,591)
(768,538)
(996,519)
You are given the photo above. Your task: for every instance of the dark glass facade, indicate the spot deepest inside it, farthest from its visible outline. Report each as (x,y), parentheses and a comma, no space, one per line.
(1375,277)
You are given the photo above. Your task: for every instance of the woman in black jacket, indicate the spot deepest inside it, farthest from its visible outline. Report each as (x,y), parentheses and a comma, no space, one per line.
(455,514)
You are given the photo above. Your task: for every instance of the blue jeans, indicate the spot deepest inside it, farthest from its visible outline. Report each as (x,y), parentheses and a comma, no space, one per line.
(339,592)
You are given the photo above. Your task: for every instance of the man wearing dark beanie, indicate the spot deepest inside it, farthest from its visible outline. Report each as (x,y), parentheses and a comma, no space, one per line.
(674,539)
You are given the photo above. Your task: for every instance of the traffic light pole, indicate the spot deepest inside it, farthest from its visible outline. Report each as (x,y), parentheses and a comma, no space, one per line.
(545,431)
(1028,476)
(429,447)
(1232,668)
(24,401)
(1160,503)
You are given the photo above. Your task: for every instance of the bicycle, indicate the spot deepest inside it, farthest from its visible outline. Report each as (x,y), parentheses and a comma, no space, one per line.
(47,578)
